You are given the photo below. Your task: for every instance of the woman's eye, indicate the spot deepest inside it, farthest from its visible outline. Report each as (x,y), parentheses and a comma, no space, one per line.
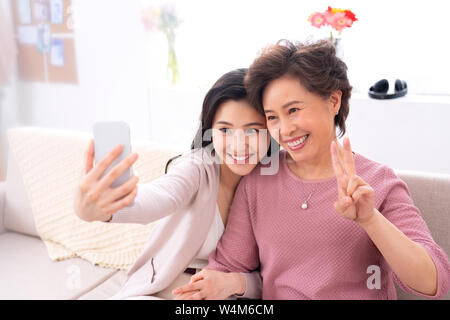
(225,130)
(251,131)
(292,110)
(270,117)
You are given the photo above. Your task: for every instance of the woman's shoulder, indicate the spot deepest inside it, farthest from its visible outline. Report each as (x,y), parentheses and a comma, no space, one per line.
(201,158)
(373,172)
(365,164)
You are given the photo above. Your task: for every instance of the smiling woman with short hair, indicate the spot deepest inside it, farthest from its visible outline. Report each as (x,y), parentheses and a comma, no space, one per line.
(319,227)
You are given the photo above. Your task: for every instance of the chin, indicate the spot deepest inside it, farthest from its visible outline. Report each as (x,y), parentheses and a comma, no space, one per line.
(241,169)
(297,156)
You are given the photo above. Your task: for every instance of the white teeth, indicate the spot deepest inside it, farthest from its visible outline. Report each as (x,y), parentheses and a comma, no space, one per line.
(297,142)
(241,158)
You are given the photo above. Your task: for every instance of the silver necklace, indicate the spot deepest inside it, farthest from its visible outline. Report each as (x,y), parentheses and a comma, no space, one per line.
(305,203)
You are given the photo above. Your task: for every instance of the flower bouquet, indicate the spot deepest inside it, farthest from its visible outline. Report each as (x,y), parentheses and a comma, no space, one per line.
(337,19)
(165,19)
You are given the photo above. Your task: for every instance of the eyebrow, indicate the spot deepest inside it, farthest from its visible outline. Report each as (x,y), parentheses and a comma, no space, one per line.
(245,125)
(287,104)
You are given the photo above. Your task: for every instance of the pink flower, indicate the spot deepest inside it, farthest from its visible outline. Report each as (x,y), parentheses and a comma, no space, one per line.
(317,19)
(328,16)
(151,17)
(349,22)
(339,21)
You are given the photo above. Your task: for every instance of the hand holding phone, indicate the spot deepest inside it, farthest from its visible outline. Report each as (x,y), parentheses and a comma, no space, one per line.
(110,185)
(108,135)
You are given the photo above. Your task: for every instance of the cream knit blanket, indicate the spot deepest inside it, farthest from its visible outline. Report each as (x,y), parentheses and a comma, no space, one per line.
(52,163)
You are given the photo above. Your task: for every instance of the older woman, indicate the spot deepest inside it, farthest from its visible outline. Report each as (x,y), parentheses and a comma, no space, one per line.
(331,224)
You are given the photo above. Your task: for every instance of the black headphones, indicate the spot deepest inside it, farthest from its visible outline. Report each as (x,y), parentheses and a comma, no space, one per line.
(379,90)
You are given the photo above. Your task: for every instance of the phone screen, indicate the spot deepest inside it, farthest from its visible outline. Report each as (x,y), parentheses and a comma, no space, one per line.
(107,135)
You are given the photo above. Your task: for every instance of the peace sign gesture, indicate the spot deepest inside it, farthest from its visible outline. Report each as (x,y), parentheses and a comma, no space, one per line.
(355,196)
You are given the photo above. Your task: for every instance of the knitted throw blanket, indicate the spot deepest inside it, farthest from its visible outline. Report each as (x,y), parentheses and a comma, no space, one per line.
(52,163)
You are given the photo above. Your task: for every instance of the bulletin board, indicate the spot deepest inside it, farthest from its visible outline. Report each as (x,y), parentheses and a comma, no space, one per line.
(45,40)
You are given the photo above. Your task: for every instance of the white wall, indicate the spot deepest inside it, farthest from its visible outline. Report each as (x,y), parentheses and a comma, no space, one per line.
(410,133)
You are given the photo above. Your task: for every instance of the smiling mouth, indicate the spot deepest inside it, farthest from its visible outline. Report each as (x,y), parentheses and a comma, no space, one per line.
(297,143)
(244,159)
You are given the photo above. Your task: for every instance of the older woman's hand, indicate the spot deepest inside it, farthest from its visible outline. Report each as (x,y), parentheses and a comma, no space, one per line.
(211,285)
(355,196)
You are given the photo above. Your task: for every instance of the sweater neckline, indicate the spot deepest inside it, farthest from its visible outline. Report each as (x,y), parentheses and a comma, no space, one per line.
(295,177)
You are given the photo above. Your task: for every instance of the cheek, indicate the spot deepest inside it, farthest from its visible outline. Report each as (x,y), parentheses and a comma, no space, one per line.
(274,132)
(253,142)
(219,142)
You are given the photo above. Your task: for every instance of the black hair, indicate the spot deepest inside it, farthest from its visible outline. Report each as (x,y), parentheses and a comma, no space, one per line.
(230,86)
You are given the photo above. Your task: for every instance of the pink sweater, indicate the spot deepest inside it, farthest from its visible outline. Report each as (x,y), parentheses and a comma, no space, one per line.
(315,253)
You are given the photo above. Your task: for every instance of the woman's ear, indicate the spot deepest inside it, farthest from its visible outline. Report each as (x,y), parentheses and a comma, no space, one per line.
(335,101)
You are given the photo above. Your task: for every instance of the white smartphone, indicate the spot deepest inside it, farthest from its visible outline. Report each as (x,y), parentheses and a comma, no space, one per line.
(107,135)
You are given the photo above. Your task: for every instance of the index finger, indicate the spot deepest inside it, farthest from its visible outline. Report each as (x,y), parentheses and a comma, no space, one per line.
(338,170)
(104,163)
(117,171)
(349,161)
(89,157)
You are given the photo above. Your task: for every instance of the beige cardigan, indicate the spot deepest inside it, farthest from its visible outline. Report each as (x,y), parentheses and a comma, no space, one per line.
(185,201)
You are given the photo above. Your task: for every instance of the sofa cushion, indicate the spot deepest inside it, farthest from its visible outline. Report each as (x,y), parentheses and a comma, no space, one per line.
(51,164)
(18,216)
(28,273)
(431,194)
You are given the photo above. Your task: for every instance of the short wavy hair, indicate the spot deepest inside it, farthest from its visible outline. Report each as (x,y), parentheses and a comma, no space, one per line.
(316,66)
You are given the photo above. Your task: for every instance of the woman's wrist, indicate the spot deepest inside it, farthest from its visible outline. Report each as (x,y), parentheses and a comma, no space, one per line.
(366,225)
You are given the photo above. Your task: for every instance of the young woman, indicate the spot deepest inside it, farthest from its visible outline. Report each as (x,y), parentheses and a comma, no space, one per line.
(331,224)
(192,199)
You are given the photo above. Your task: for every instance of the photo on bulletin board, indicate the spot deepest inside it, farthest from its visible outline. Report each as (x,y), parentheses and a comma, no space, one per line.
(24,11)
(60,61)
(41,10)
(56,11)
(61,16)
(57,53)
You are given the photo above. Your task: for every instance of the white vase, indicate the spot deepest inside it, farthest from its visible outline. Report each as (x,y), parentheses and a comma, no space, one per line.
(339,48)
(157,49)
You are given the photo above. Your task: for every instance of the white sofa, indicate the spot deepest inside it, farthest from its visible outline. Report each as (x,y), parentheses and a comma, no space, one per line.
(26,271)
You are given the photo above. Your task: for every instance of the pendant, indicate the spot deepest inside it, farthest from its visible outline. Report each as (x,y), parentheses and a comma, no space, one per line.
(304,205)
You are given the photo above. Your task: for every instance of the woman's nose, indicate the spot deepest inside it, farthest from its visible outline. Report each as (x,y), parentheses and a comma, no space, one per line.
(286,127)
(239,140)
